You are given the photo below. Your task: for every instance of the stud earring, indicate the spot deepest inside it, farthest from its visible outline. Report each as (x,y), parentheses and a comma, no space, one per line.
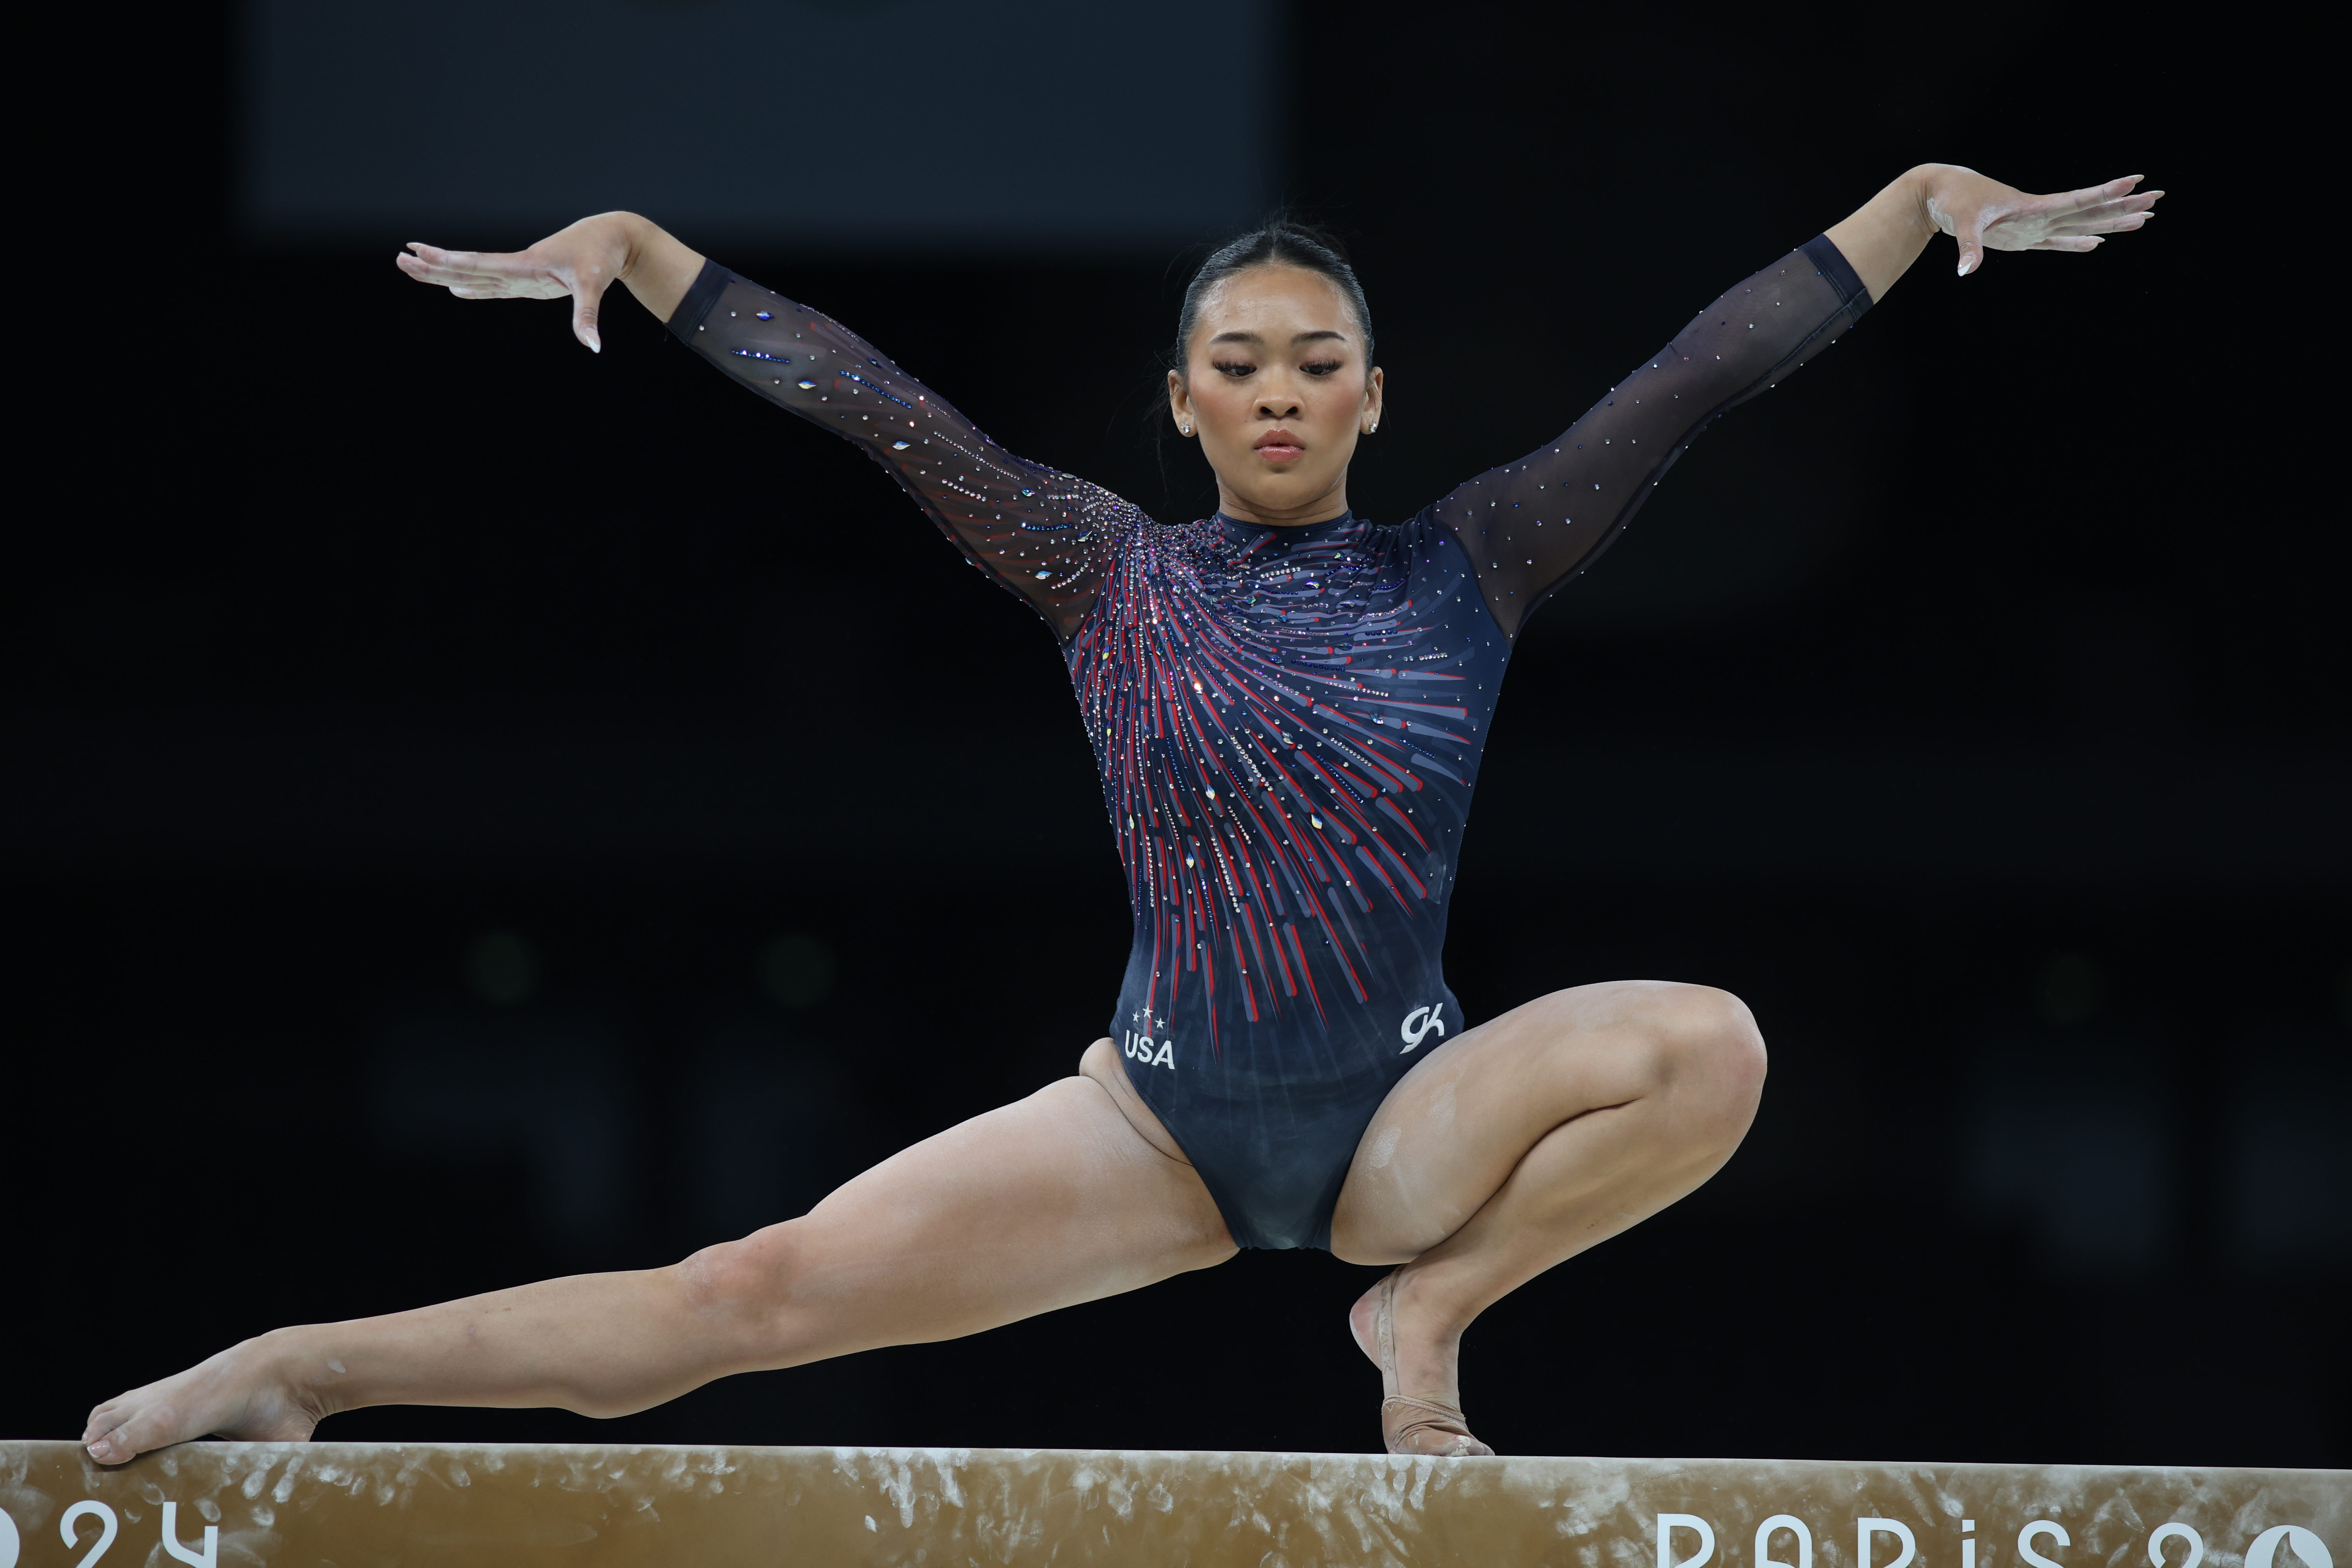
(1183,429)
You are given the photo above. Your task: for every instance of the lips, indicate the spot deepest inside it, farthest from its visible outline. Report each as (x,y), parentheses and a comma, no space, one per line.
(1279,446)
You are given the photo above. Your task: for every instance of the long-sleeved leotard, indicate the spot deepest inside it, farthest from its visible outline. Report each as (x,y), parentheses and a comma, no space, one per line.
(1288,720)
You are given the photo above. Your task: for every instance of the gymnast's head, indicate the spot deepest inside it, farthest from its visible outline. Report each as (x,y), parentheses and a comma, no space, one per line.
(1272,373)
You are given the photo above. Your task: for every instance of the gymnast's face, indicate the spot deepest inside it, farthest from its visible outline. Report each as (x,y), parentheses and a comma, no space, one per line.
(1276,390)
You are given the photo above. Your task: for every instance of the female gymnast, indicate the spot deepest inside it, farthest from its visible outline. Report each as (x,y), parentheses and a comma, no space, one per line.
(1288,703)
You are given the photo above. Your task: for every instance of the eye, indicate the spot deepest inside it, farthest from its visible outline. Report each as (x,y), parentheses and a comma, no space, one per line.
(1323,367)
(1234,368)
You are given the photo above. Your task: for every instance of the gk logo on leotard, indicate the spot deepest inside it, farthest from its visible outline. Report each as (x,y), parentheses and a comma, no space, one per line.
(1152,1053)
(1419,1025)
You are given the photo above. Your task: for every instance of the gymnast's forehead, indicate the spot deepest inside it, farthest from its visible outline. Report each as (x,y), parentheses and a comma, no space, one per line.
(1269,304)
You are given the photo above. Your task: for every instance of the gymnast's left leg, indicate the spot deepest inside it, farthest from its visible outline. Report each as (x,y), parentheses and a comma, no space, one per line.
(1518,1145)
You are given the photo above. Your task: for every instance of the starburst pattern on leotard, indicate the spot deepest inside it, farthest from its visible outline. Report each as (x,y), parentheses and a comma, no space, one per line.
(1264,717)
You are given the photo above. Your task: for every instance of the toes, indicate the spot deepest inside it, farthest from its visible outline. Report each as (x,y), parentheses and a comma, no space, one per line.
(109,1443)
(152,1427)
(98,1434)
(1448,1439)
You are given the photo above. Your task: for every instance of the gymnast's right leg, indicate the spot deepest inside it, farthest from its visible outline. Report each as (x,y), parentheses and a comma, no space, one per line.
(1073,1194)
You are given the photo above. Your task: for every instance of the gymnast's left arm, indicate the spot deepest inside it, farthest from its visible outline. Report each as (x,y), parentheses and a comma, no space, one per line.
(1530,526)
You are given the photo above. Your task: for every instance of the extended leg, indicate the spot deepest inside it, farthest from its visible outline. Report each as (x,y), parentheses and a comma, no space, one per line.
(1529,1138)
(1068,1195)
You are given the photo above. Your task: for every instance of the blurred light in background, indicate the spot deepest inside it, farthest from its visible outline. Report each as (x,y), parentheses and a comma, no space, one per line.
(2289,1141)
(767,1127)
(944,124)
(501,966)
(2069,987)
(797,971)
(2067,1139)
(542,1091)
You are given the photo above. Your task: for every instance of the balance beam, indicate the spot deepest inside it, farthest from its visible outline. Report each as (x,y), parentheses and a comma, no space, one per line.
(521,1505)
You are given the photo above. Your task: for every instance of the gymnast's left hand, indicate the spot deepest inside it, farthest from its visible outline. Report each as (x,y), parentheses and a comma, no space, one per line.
(1984,215)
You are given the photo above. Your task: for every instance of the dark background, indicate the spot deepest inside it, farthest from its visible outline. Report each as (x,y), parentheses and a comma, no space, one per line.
(423,872)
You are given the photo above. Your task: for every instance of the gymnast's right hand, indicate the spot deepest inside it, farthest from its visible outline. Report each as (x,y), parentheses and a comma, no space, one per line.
(577,263)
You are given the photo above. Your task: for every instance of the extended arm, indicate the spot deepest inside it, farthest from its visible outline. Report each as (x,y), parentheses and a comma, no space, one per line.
(1530,526)
(1037,530)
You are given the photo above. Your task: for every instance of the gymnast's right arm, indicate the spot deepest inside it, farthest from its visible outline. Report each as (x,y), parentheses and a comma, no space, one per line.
(1038,531)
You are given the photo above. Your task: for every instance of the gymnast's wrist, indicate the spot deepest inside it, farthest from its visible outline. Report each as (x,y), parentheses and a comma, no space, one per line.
(1924,184)
(654,265)
(634,232)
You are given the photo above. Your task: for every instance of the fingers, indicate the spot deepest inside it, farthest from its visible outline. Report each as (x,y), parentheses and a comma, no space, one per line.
(1970,234)
(2114,196)
(2133,209)
(2121,224)
(480,275)
(431,264)
(587,297)
(464,285)
(2090,195)
(446,268)
(493,275)
(2099,212)
(2074,221)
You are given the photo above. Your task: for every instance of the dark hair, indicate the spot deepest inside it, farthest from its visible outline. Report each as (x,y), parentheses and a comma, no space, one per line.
(1282,242)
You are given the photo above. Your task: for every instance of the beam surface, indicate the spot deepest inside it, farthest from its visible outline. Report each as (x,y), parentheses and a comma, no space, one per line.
(476,1505)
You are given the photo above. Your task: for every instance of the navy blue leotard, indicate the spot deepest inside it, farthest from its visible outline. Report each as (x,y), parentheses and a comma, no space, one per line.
(1288,720)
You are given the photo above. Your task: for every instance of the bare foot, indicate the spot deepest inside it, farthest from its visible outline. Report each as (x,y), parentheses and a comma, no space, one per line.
(1422,1413)
(242,1391)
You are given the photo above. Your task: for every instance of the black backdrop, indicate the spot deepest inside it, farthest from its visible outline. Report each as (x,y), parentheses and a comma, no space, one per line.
(420,876)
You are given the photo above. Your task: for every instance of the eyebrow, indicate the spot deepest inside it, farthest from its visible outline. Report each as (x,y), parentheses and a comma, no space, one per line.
(1296,337)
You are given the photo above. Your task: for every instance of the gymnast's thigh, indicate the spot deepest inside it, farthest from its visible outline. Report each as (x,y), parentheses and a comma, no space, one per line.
(1452,1130)
(1044,1203)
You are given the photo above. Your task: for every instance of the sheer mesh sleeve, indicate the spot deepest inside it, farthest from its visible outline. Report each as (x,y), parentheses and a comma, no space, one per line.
(1530,526)
(1040,532)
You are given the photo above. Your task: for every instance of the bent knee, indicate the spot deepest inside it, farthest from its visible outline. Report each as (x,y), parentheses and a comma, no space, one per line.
(1712,1051)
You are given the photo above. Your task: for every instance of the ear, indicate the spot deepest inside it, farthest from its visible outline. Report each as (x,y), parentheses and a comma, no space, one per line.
(1180,398)
(1375,389)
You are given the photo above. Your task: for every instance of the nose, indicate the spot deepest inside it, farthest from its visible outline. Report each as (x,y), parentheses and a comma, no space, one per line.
(1277,408)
